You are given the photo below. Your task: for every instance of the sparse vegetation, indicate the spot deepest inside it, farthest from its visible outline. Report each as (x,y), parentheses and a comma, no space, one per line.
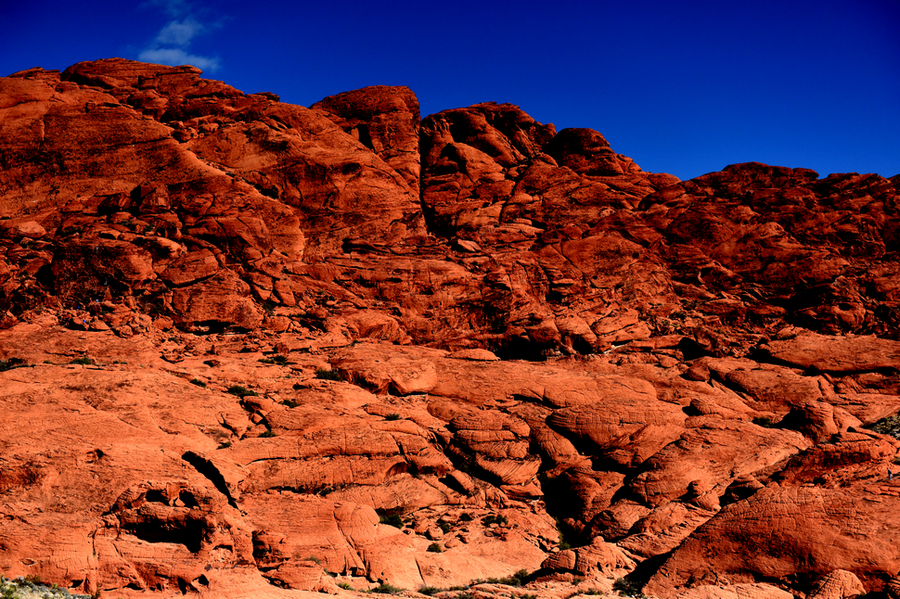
(499,520)
(764,421)
(224,445)
(426,590)
(269,307)
(386,588)
(241,391)
(11,363)
(392,416)
(197,382)
(888,426)
(592,591)
(33,586)
(627,587)
(465,517)
(83,360)
(289,403)
(345,585)
(435,548)
(517,579)
(268,433)
(328,375)
(564,542)
(276,359)
(394,520)
(444,526)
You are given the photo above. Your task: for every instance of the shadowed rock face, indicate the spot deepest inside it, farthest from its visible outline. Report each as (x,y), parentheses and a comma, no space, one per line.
(245,336)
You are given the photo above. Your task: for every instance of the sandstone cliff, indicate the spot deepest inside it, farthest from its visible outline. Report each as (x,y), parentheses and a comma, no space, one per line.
(250,348)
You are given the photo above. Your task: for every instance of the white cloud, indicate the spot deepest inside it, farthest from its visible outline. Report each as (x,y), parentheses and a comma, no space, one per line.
(171,46)
(177,57)
(179,33)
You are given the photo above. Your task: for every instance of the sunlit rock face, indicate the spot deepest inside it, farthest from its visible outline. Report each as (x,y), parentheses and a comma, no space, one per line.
(249,348)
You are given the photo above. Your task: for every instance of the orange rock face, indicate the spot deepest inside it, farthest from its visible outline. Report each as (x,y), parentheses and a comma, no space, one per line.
(245,345)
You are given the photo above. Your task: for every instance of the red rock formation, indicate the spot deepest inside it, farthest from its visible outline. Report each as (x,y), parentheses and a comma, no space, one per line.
(249,340)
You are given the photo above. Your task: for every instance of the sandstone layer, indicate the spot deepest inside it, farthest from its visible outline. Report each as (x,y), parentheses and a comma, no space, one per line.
(249,348)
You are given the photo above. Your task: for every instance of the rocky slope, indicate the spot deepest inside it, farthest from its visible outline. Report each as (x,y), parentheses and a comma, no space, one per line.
(254,349)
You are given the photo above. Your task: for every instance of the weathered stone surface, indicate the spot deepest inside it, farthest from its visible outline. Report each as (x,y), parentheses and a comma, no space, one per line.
(251,342)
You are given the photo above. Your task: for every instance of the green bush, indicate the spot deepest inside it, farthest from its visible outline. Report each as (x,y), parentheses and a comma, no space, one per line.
(435,548)
(289,403)
(224,445)
(492,519)
(328,375)
(888,426)
(345,585)
(269,433)
(84,361)
(394,520)
(277,359)
(197,382)
(764,421)
(241,391)
(518,579)
(392,416)
(386,588)
(627,587)
(426,590)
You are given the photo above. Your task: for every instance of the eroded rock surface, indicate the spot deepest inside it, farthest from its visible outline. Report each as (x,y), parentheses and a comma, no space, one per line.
(255,349)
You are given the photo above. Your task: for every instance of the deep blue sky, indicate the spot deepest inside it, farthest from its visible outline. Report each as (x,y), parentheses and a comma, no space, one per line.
(681,87)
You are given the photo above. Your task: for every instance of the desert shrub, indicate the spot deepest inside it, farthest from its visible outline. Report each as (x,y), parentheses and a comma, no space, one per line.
(197,382)
(241,391)
(386,588)
(11,363)
(627,587)
(593,591)
(289,403)
(435,548)
(518,579)
(328,375)
(888,426)
(276,359)
(345,585)
(268,433)
(499,520)
(224,445)
(764,421)
(465,517)
(84,361)
(393,520)
(444,526)
(426,590)
(392,416)
(564,542)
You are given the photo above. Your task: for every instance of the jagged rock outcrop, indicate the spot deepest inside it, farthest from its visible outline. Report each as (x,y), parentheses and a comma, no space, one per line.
(255,343)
